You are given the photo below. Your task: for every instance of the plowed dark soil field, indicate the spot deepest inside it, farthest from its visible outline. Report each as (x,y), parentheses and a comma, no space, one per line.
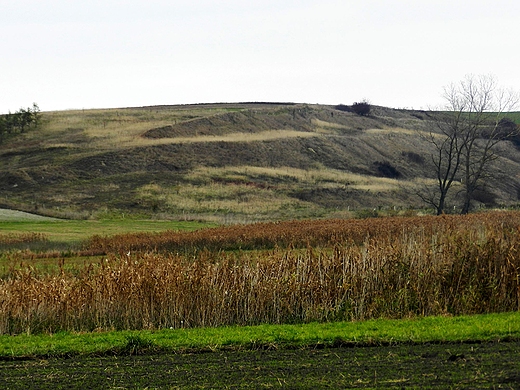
(470,365)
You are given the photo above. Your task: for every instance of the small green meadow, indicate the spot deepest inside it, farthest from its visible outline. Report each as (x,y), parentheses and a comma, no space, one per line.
(65,237)
(72,231)
(477,328)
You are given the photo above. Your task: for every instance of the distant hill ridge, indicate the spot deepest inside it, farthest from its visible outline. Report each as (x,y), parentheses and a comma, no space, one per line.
(228,162)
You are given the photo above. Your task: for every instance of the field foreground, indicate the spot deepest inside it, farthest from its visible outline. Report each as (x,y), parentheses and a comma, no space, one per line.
(486,365)
(175,295)
(434,352)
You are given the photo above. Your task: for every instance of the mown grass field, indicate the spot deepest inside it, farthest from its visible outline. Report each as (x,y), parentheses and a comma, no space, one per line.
(502,327)
(73,232)
(46,244)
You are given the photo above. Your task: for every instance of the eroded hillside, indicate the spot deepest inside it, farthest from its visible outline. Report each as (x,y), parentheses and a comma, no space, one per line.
(230,162)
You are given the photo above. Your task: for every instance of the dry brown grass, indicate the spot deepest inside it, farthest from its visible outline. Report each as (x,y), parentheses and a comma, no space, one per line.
(115,128)
(123,128)
(305,177)
(239,198)
(19,238)
(314,271)
(254,192)
(392,130)
(328,127)
(233,137)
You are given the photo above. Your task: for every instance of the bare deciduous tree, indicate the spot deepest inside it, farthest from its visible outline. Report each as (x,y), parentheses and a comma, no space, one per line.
(445,159)
(464,135)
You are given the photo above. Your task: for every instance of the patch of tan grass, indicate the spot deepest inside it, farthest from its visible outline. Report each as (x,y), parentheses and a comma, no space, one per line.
(123,128)
(217,198)
(325,127)
(378,186)
(391,130)
(114,128)
(234,137)
(322,177)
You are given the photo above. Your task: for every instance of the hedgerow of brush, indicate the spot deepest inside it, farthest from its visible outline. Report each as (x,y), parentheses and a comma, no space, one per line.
(283,234)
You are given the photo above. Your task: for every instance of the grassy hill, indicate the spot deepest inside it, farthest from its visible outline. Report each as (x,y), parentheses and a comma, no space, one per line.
(228,162)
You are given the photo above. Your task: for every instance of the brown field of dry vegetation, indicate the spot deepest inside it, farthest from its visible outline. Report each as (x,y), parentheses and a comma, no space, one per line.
(285,272)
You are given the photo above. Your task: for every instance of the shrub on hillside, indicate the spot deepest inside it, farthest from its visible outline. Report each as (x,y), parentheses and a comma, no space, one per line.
(343,107)
(414,157)
(507,129)
(19,121)
(485,196)
(386,169)
(361,108)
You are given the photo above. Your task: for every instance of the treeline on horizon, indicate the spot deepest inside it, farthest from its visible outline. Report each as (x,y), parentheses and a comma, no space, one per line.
(19,121)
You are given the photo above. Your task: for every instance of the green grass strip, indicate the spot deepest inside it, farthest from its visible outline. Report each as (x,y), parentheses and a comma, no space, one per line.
(488,327)
(73,231)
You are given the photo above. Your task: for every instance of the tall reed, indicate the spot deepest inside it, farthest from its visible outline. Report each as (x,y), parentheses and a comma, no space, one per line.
(401,268)
(284,234)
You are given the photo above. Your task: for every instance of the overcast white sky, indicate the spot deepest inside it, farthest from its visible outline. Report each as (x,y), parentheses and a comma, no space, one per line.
(65,54)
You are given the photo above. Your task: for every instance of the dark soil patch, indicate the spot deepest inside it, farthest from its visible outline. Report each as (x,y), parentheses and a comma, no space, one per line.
(486,365)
